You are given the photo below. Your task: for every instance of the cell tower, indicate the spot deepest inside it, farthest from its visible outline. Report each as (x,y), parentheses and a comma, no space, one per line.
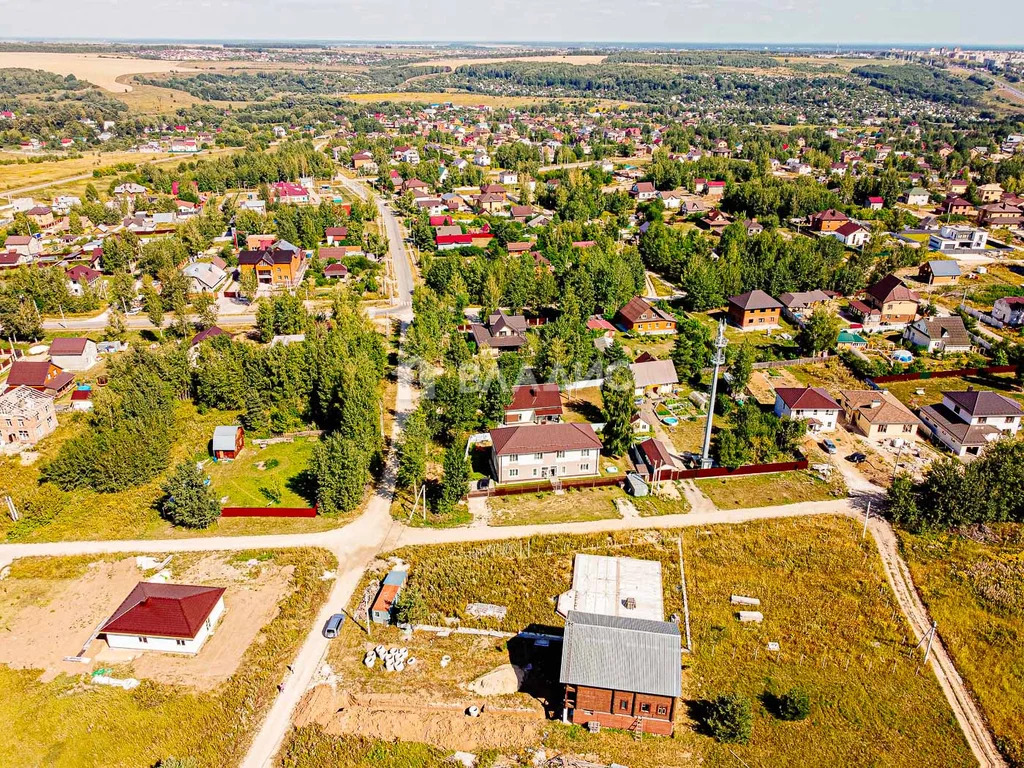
(718,360)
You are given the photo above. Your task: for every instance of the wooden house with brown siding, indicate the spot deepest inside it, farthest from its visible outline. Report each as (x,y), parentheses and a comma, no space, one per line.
(621,672)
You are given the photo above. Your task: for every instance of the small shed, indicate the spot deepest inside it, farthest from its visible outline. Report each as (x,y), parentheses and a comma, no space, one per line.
(228,441)
(380,612)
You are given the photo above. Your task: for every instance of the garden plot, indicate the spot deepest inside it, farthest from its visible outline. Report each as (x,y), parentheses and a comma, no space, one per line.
(274,476)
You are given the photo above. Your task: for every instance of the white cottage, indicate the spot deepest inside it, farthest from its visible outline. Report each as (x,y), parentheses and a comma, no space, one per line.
(172,618)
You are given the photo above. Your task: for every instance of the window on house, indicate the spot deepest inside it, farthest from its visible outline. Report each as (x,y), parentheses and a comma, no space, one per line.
(585,452)
(513,457)
(982,420)
(883,427)
(1009,419)
(908,427)
(538,455)
(179,642)
(624,705)
(662,709)
(584,467)
(143,639)
(645,708)
(560,455)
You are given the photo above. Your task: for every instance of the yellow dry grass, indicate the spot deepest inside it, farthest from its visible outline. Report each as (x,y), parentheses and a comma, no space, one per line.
(26,174)
(102,71)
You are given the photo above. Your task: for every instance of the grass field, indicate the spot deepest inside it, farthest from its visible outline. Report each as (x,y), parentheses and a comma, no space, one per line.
(274,476)
(27,174)
(975,591)
(766,490)
(825,600)
(573,506)
(66,723)
(50,514)
(906,391)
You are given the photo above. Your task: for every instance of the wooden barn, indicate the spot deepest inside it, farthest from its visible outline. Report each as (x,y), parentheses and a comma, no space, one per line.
(228,441)
(621,672)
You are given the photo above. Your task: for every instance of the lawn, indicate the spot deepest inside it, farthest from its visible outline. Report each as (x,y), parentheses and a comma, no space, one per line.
(767,490)
(275,476)
(906,391)
(572,506)
(974,589)
(826,602)
(26,174)
(50,514)
(583,406)
(67,723)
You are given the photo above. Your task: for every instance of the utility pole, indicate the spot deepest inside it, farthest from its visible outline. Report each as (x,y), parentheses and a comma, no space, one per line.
(867,515)
(719,360)
(931,637)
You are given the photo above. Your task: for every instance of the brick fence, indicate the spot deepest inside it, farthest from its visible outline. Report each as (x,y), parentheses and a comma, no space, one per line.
(268,512)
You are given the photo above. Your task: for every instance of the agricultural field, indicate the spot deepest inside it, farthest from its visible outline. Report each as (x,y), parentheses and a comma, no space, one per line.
(274,476)
(106,71)
(825,600)
(64,721)
(769,490)
(973,586)
(26,174)
(50,514)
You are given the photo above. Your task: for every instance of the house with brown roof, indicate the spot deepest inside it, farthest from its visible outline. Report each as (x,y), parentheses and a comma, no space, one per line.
(827,221)
(544,451)
(714,221)
(877,414)
(1000,214)
(653,377)
(655,457)
(26,245)
(811,404)
(958,206)
(171,618)
(850,234)
(966,422)
(800,304)
(534,404)
(643,191)
(754,310)
(276,266)
(73,354)
(502,333)
(40,375)
(894,301)
(939,334)
(641,317)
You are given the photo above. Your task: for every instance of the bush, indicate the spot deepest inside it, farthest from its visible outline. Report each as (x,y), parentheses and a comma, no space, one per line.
(729,719)
(795,704)
(189,501)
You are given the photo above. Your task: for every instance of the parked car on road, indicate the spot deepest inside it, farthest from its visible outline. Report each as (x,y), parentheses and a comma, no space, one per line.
(333,626)
(829,446)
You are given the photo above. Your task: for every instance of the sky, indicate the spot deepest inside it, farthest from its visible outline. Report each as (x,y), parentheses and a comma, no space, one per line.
(825,22)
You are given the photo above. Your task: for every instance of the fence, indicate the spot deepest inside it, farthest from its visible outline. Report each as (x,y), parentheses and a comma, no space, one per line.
(268,512)
(992,370)
(663,474)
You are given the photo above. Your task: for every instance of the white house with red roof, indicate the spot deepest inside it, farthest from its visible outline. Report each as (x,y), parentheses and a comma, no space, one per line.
(812,404)
(172,618)
(290,192)
(544,451)
(851,234)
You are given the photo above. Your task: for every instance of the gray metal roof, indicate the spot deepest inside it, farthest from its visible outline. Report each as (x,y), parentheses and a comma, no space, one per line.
(944,268)
(224,438)
(622,654)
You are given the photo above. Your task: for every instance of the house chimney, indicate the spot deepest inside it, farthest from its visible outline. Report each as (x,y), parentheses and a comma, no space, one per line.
(876,404)
(970,387)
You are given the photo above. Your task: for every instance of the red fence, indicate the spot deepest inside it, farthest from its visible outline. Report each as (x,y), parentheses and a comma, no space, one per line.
(991,371)
(268,512)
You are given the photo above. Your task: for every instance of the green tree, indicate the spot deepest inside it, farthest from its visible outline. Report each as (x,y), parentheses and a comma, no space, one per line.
(248,285)
(341,468)
(154,307)
(412,451)
(410,606)
(189,502)
(692,350)
(794,704)
(742,367)
(820,332)
(454,482)
(116,329)
(902,498)
(729,719)
(205,306)
(619,409)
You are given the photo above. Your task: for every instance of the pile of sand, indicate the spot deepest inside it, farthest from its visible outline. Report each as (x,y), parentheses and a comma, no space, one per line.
(500,681)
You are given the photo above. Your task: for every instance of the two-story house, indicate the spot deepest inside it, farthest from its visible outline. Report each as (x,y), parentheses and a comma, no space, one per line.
(965,422)
(544,451)
(754,310)
(639,316)
(1009,310)
(277,266)
(894,301)
(939,334)
(26,417)
(812,404)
